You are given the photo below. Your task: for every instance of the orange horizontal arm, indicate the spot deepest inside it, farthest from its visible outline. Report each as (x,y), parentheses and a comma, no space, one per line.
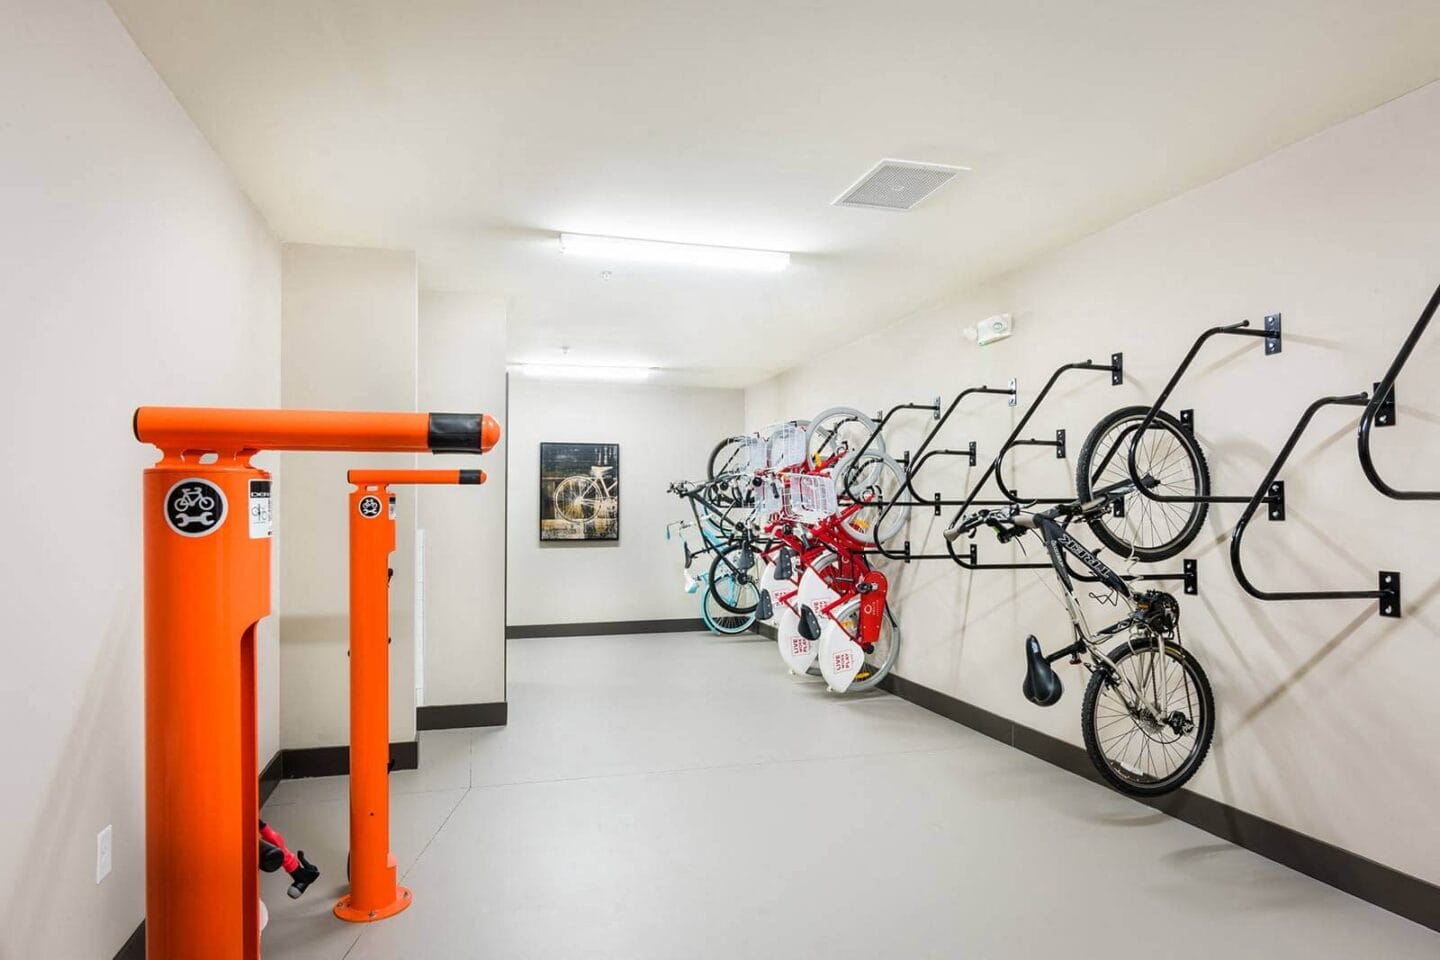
(384,477)
(217,428)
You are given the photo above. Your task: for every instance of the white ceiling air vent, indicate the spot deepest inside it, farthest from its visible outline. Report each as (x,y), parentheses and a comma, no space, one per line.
(897,185)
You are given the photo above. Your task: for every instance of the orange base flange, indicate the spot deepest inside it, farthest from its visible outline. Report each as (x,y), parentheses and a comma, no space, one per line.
(344,911)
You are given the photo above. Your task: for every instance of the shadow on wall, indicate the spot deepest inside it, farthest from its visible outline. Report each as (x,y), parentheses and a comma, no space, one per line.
(114,688)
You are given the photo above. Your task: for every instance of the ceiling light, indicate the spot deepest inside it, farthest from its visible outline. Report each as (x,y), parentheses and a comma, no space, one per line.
(578,371)
(656,251)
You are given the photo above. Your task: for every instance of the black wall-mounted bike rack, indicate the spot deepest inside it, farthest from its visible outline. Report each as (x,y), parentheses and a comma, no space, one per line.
(1116,368)
(1188,575)
(1387,592)
(913,462)
(1271,333)
(1380,411)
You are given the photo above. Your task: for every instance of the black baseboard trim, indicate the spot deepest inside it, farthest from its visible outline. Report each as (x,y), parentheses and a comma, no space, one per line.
(271,776)
(458,716)
(1385,887)
(302,762)
(134,948)
(602,628)
(764,629)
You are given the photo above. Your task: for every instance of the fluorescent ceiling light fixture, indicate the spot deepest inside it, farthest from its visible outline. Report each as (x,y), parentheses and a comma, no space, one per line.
(580,371)
(657,251)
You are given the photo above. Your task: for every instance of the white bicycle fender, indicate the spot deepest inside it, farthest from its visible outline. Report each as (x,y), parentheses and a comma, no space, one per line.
(840,657)
(797,652)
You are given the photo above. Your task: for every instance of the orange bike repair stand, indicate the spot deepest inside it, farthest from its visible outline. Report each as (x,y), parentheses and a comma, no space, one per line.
(207,584)
(374,892)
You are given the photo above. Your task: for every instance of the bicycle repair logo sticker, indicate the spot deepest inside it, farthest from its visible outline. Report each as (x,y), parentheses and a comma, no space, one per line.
(370,507)
(195,507)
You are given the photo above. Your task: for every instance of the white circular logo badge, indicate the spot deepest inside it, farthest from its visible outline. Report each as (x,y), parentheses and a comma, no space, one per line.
(195,507)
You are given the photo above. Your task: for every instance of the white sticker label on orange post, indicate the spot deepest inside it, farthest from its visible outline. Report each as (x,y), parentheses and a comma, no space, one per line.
(260,515)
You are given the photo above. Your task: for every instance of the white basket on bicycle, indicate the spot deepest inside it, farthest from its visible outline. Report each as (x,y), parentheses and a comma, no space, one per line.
(753,456)
(786,446)
(811,496)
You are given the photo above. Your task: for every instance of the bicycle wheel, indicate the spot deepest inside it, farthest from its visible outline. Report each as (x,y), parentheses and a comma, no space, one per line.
(736,564)
(1167,454)
(875,664)
(738,593)
(838,431)
(731,455)
(576,498)
(874,479)
(1154,749)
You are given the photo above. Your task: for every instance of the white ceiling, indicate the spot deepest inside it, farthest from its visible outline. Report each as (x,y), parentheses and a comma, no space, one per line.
(473,132)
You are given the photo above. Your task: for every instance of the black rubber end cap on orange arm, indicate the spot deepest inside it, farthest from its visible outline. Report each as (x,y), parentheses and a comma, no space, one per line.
(462,432)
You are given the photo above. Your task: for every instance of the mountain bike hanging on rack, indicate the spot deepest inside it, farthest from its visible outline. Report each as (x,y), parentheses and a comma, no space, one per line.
(1168,460)
(1148,714)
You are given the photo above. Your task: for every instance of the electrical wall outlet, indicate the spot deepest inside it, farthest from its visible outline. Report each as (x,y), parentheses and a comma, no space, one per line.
(102,853)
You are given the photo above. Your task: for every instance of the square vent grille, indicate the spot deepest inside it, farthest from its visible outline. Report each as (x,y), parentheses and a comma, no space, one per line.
(897,185)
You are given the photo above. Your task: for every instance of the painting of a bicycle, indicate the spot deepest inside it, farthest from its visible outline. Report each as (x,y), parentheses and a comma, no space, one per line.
(579,491)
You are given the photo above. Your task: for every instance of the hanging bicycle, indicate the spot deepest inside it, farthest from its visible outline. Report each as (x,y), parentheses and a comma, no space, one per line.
(1148,714)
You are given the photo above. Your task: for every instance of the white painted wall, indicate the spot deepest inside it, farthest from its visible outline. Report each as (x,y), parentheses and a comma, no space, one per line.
(1327,713)
(349,343)
(462,370)
(665,434)
(132,271)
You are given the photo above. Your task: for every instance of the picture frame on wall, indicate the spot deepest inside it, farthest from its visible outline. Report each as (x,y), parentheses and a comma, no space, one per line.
(579,491)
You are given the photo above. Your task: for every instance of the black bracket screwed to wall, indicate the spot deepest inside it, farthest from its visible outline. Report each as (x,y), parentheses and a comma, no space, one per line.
(1117,369)
(1385,409)
(1273,340)
(1275,498)
(1389,593)
(1192,578)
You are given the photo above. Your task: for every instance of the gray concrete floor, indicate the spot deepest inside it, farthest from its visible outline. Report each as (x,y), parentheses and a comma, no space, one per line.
(679,796)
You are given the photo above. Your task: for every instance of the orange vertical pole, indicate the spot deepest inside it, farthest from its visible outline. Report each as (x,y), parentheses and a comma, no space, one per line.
(207,584)
(374,889)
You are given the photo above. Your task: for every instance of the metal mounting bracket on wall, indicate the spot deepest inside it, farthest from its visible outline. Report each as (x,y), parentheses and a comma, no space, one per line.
(1273,341)
(1276,500)
(1187,421)
(1117,369)
(1058,443)
(1389,593)
(1014,388)
(1384,407)
(1192,578)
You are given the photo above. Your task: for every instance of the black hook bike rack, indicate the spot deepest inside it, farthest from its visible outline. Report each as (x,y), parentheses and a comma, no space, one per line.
(1387,592)
(1275,495)
(1116,369)
(1380,411)
(913,462)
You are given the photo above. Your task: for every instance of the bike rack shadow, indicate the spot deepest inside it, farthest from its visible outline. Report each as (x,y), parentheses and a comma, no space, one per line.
(1379,411)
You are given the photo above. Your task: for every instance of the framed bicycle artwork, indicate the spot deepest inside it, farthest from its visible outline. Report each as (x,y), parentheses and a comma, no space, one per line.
(579,491)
